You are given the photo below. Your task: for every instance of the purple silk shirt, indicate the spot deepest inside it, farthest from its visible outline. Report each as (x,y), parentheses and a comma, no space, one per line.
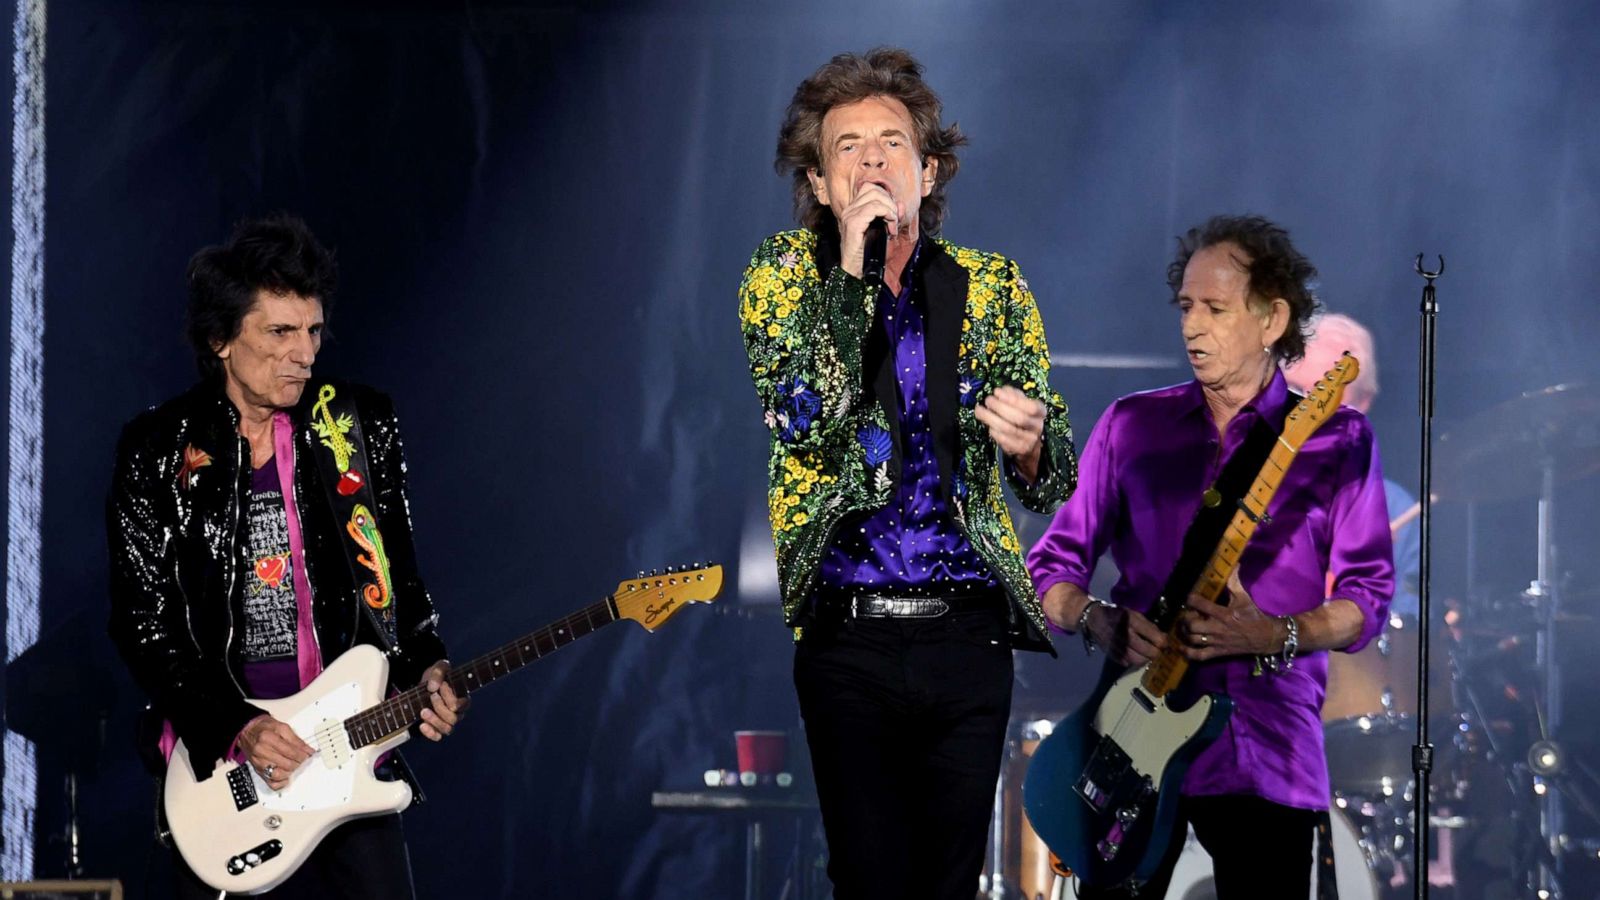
(912,544)
(1139,483)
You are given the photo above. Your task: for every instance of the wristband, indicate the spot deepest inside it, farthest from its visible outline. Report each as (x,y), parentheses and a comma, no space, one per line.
(1082,627)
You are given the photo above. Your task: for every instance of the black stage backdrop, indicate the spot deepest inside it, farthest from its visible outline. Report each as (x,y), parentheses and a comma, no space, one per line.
(541,215)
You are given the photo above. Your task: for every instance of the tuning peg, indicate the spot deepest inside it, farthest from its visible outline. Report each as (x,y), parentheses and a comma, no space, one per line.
(671,569)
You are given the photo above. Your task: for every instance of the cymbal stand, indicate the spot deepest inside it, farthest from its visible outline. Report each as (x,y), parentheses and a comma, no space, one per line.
(1545,757)
(1422,751)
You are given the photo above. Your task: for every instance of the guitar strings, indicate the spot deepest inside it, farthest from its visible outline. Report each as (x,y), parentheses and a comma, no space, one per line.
(381,717)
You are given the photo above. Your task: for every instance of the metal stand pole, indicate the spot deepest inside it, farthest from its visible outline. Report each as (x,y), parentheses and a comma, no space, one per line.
(995,888)
(1547,878)
(74,857)
(753,851)
(1422,752)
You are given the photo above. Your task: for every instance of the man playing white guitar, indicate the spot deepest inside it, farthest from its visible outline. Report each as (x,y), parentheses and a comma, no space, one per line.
(1253,795)
(236,572)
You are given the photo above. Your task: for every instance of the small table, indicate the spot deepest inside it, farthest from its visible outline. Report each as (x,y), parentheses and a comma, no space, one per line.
(751,803)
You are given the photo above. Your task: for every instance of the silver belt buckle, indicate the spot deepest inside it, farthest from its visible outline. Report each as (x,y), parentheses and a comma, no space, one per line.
(875,607)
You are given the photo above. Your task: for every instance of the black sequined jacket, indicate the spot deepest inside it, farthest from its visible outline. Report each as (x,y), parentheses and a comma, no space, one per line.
(177,536)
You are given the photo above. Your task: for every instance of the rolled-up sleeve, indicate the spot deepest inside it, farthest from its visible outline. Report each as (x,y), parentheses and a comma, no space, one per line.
(1361,553)
(1080,531)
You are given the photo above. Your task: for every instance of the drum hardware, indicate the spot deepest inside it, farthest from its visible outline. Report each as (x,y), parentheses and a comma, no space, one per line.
(1018,866)
(1519,448)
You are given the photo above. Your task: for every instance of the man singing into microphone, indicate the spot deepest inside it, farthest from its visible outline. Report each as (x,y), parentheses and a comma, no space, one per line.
(896,402)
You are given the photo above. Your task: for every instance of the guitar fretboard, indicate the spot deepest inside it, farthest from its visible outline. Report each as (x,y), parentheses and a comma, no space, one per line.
(403,710)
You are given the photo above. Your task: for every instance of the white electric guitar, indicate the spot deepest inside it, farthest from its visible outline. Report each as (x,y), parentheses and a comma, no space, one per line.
(241,836)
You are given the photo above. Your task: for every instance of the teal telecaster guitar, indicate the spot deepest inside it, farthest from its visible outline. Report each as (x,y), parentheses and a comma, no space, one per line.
(1102,789)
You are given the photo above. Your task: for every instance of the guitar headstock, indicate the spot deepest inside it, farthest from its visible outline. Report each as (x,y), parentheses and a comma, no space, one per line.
(651,599)
(1321,402)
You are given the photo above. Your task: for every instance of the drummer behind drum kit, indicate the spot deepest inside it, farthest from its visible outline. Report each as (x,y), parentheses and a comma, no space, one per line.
(1504,778)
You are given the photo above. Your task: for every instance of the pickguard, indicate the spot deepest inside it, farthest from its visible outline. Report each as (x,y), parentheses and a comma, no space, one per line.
(328,778)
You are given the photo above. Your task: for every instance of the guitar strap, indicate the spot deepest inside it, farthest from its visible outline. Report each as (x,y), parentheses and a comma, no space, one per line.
(344,469)
(1215,512)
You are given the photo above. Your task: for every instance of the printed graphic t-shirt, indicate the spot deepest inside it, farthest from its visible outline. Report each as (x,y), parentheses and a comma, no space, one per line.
(270,667)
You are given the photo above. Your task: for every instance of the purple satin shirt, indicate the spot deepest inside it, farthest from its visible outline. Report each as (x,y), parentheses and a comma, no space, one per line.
(912,544)
(1139,483)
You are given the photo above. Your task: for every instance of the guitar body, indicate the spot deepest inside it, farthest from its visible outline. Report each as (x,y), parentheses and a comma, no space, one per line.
(241,836)
(1102,789)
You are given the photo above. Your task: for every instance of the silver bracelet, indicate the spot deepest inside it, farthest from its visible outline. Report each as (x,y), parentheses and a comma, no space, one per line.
(1082,628)
(1284,659)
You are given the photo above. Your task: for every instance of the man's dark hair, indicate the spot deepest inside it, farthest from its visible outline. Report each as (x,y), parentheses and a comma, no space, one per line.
(848,77)
(1275,267)
(277,254)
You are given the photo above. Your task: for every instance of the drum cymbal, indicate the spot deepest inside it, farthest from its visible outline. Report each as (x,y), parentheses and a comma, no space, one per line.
(1501,452)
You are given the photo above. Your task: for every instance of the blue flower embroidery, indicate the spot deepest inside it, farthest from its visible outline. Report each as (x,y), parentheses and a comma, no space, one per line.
(798,405)
(970,386)
(961,478)
(876,442)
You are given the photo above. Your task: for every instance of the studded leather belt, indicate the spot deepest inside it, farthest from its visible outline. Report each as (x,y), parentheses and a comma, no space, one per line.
(870,606)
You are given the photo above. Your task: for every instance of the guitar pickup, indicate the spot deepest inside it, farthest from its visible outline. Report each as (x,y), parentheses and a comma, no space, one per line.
(253,857)
(242,787)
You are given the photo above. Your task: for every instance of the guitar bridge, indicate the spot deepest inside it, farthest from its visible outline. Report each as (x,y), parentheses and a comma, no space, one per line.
(1104,781)
(1109,782)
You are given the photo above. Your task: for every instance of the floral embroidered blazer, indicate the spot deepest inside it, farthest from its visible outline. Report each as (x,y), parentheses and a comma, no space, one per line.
(824,374)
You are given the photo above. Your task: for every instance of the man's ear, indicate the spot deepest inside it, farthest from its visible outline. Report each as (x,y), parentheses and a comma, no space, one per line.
(819,185)
(1277,321)
(930,173)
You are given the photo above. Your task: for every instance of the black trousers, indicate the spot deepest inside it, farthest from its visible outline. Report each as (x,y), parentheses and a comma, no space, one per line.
(1258,849)
(359,859)
(906,723)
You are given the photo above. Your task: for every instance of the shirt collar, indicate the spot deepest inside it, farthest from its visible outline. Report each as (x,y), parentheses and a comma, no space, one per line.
(1270,403)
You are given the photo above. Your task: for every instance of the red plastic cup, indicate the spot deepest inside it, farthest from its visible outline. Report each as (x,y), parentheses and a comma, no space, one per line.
(760,752)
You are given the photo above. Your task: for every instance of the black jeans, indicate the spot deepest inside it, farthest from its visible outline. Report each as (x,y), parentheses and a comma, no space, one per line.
(359,859)
(1258,849)
(906,722)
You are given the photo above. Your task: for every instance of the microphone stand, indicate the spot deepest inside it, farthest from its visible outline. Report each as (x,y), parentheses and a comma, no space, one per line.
(1422,751)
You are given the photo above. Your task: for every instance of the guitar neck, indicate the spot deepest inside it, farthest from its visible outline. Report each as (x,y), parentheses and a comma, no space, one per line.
(1168,668)
(404,709)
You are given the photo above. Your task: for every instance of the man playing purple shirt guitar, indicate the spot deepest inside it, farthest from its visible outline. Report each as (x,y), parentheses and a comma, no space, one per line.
(1253,794)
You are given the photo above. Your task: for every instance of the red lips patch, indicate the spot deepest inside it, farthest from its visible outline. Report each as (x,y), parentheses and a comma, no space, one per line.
(349,483)
(271,569)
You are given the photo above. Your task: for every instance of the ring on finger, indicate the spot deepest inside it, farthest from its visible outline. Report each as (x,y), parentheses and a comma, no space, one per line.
(1203,639)
(271,767)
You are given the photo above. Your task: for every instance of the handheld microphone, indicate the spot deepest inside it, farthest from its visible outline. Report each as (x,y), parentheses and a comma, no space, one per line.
(874,250)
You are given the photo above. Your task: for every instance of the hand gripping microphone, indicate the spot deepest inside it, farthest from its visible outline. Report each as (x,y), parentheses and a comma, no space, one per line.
(873,251)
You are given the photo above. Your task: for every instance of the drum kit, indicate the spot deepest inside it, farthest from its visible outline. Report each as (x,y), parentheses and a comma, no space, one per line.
(1515,806)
